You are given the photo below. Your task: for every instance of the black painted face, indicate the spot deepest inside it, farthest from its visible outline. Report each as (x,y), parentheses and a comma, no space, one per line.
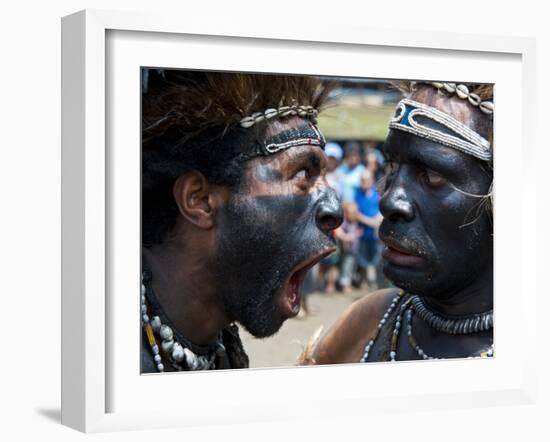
(270,233)
(438,238)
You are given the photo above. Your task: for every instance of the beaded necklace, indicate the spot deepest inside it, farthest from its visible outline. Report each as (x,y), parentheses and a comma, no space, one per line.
(414,304)
(177,350)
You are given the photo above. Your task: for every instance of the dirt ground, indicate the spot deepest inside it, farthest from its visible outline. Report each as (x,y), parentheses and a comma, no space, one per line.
(283,348)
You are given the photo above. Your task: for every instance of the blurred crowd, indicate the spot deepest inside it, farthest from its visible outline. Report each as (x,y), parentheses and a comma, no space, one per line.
(354,170)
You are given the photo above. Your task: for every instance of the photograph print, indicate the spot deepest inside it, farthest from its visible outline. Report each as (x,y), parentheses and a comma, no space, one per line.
(291,220)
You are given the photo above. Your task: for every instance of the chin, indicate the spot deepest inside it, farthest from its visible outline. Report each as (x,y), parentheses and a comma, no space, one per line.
(263,329)
(258,314)
(410,280)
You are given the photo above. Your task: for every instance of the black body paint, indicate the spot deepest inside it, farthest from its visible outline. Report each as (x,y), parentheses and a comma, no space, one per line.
(261,239)
(436,222)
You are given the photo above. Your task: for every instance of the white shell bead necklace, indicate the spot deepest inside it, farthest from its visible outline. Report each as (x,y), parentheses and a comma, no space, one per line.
(179,356)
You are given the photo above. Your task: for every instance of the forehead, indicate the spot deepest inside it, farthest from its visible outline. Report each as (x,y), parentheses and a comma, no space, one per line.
(403,147)
(277,127)
(271,170)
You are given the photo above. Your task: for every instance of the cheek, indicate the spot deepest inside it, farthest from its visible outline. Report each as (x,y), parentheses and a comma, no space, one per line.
(266,221)
(285,210)
(458,227)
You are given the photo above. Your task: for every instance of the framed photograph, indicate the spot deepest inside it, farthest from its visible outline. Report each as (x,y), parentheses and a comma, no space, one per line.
(129,363)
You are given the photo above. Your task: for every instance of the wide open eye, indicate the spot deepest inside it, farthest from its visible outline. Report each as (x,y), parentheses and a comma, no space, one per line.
(302,173)
(308,167)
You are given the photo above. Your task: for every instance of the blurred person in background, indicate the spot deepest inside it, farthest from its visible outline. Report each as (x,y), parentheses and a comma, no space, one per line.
(348,235)
(334,154)
(308,288)
(350,171)
(327,274)
(367,199)
(375,161)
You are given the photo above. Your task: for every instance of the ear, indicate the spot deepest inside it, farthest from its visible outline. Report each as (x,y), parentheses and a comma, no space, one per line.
(194,199)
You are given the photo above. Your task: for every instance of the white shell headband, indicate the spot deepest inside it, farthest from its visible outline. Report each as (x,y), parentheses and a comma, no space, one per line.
(303,111)
(307,134)
(298,136)
(462,91)
(408,118)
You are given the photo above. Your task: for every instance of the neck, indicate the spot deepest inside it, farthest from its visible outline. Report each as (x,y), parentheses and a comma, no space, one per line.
(477,297)
(182,287)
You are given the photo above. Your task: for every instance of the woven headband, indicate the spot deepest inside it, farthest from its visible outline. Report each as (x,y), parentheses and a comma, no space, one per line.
(297,136)
(408,118)
(305,134)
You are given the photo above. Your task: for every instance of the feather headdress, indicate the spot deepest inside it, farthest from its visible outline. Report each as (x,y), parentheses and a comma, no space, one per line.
(192,102)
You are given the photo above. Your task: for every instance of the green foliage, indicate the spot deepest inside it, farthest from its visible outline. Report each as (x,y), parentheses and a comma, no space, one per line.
(358,122)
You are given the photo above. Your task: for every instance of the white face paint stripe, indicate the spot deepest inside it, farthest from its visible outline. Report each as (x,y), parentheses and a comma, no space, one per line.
(312,136)
(276,147)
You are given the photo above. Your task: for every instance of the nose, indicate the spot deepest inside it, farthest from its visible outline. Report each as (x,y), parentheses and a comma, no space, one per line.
(329,213)
(395,204)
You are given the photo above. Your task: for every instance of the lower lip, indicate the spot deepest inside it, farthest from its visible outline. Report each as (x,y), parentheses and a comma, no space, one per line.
(401,259)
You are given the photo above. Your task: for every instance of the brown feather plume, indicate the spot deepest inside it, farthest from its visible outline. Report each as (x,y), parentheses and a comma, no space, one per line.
(195,101)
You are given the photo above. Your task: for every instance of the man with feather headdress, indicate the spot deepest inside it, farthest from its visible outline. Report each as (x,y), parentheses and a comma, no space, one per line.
(235,210)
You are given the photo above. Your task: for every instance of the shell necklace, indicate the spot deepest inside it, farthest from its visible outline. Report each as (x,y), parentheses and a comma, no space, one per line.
(180,353)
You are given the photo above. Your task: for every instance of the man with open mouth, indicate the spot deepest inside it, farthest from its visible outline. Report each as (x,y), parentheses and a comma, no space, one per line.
(235,210)
(437,232)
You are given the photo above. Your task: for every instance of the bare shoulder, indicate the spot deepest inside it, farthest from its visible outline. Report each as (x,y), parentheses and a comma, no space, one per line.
(346,338)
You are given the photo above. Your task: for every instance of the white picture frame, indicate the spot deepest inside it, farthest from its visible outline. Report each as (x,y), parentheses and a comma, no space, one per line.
(91,170)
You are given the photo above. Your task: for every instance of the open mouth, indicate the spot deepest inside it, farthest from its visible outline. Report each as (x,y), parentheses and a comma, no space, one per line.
(292,290)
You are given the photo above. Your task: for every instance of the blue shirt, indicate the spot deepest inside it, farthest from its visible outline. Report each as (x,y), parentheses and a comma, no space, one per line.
(368,205)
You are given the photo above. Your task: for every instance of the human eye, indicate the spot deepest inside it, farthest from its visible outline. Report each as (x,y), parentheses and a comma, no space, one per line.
(309,168)
(302,173)
(302,178)
(386,180)
(431,178)
(392,167)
